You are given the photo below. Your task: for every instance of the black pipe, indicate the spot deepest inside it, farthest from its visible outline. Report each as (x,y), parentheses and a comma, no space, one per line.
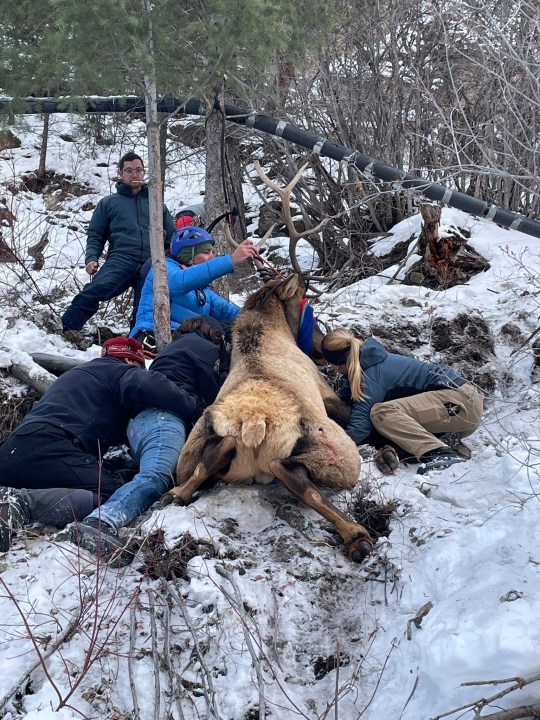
(250,118)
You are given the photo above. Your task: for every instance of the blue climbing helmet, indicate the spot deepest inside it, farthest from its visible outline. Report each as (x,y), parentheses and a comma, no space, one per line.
(189,237)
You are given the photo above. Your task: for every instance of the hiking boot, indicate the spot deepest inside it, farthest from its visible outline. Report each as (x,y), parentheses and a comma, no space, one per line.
(102,540)
(14,514)
(387,460)
(438,459)
(78,339)
(454,442)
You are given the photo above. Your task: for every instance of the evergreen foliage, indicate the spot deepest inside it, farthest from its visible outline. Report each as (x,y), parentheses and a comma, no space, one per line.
(52,47)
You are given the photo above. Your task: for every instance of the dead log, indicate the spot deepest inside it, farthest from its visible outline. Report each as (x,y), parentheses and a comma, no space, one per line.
(56,364)
(32,375)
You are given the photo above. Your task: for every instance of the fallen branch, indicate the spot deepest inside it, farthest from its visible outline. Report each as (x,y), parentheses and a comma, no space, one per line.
(417,619)
(33,375)
(56,364)
(481,703)
(155,653)
(174,682)
(256,660)
(206,675)
(21,682)
(525,711)
(131,658)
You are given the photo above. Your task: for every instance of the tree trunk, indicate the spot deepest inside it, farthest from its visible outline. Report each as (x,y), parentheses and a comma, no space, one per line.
(163,127)
(43,148)
(431,217)
(448,260)
(162,311)
(214,202)
(234,166)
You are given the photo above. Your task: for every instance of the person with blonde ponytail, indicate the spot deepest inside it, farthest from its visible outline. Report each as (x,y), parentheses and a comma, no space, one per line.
(408,401)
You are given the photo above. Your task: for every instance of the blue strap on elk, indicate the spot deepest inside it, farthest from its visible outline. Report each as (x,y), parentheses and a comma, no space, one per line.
(305,331)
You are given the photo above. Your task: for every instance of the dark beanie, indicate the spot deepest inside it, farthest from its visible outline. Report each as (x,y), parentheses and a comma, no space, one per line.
(187,254)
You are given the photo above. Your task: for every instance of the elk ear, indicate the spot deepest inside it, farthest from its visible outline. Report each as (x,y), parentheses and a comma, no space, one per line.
(288,287)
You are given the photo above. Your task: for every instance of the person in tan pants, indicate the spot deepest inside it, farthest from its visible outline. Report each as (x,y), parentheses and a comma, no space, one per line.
(408,401)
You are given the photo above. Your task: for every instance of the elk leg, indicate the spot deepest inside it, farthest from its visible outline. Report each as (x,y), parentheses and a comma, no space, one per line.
(216,454)
(337,410)
(296,480)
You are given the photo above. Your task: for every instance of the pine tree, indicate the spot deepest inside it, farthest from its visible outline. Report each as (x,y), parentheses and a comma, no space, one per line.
(148,48)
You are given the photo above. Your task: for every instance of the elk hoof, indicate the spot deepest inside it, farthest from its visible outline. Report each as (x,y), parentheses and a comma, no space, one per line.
(166,499)
(359,550)
(171,498)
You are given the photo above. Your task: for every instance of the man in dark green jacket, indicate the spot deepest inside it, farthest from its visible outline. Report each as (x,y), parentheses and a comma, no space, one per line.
(122,220)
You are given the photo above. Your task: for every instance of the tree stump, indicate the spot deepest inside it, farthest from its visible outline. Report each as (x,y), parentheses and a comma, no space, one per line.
(448,260)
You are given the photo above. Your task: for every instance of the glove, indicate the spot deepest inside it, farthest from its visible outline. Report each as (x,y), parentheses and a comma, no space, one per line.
(386,459)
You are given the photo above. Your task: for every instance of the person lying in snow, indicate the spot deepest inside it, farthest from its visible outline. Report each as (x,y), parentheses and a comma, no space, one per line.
(50,466)
(407,401)
(196,361)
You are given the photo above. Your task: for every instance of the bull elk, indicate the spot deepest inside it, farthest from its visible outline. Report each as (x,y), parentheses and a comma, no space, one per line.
(272,418)
(284,194)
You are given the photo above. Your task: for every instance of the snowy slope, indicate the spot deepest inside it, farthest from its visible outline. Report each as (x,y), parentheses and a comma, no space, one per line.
(266,617)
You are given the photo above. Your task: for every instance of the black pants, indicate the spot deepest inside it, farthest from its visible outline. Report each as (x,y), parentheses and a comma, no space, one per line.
(40,456)
(115,276)
(59,506)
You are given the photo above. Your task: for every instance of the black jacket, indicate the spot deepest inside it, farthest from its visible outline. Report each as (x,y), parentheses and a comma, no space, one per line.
(94,402)
(123,221)
(194,363)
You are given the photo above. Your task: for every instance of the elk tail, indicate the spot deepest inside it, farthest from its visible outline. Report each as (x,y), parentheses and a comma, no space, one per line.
(253,431)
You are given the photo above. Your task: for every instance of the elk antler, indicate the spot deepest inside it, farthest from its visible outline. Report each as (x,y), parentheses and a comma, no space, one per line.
(228,236)
(234,244)
(285,195)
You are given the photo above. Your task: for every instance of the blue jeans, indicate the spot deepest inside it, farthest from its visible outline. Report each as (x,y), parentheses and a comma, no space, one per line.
(115,276)
(156,438)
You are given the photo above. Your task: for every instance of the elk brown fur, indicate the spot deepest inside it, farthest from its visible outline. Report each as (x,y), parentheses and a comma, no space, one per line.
(271,418)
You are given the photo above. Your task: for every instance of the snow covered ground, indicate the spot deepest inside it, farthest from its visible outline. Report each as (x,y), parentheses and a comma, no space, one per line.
(265,616)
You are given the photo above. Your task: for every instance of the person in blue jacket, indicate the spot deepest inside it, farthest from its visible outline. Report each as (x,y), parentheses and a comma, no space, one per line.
(122,220)
(195,361)
(405,400)
(59,445)
(191,267)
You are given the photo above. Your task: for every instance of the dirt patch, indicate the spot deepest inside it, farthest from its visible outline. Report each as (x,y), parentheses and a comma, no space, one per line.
(13,408)
(6,253)
(162,562)
(468,345)
(54,183)
(375,518)
(323,666)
